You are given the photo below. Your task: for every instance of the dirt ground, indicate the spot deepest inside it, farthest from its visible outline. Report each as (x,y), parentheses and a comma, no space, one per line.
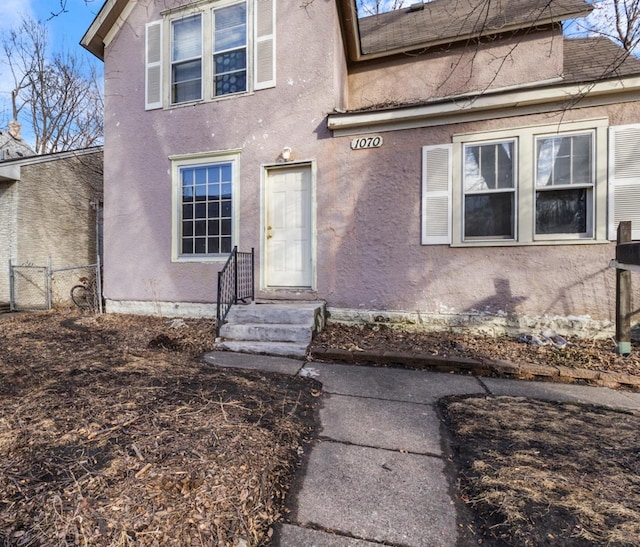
(114,433)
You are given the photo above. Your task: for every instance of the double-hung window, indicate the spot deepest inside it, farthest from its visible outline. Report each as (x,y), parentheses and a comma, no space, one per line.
(230,49)
(214,49)
(204,205)
(570,182)
(489,190)
(186,59)
(564,181)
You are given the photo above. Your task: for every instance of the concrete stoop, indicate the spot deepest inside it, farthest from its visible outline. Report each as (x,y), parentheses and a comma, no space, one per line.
(284,329)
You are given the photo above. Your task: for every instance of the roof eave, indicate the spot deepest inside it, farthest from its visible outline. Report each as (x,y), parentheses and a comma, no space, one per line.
(485,106)
(95,37)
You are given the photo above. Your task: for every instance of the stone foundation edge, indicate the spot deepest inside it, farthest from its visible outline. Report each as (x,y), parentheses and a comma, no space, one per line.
(579,326)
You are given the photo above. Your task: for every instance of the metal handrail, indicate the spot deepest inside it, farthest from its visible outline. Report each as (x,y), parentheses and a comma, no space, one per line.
(235,283)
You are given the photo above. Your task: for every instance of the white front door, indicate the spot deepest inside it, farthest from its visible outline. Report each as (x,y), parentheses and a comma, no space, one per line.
(288,227)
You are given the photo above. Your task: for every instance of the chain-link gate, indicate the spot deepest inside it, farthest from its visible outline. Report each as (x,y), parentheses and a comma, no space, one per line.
(35,288)
(29,288)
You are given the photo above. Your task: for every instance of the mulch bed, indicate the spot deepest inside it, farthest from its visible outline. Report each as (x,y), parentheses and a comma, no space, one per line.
(542,473)
(595,354)
(112,432)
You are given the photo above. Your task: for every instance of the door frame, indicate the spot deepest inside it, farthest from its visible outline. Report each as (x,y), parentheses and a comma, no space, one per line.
(264,177)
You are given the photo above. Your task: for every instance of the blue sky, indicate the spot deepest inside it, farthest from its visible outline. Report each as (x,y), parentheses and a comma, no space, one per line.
(65,32)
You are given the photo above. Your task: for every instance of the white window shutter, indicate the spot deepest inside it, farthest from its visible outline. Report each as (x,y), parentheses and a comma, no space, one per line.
(264,44)
(624,178)
(153,65)
(436,194)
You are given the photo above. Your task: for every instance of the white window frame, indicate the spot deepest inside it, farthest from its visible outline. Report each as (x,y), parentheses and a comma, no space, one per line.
(178,162)
(590,187)
(246,48)
(173,62)
(513,190)
(525,183)
(260,51)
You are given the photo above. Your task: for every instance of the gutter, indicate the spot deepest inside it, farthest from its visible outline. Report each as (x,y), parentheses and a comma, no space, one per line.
(488,105)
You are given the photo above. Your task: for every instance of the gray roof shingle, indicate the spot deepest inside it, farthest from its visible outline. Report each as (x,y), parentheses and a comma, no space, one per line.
(448,21)
(596,58)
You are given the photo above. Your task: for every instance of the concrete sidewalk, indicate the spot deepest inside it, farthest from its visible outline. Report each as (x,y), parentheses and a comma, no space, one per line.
(377,474)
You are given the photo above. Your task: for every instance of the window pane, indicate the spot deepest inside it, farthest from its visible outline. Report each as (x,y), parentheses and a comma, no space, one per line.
(187,38)
(209,217)
(561,211)
(489,166)
(563,160)
(187,228)
(489,215)
(200,245)
(234,82)
(201,227)
(225,246)
(187,246)
(230,27)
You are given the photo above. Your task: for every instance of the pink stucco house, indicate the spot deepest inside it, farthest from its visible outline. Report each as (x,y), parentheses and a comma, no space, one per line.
(456,163)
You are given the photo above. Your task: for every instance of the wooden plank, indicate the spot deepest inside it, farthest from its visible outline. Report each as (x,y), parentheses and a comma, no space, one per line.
(623,296)
(628,253)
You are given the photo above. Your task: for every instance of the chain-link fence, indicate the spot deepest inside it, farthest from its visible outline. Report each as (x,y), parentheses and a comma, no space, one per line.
(43,287)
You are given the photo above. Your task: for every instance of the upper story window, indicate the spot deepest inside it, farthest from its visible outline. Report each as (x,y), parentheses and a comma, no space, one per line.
(186,59)
(215,49)
(230,49)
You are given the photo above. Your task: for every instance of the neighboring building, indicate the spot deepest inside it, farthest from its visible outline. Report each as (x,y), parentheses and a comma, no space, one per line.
(454,163)
(48,208)
(12,145)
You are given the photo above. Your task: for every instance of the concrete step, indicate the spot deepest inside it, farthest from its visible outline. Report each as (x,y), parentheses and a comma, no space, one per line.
(283,349)
(268,332)
(303,313)
(277,328)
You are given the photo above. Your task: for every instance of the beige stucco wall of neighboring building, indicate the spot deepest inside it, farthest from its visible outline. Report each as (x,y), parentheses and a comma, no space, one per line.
(55,210)
(420,76)
(8,227)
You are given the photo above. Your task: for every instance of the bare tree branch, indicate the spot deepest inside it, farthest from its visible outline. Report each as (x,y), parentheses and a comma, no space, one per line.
(62,97)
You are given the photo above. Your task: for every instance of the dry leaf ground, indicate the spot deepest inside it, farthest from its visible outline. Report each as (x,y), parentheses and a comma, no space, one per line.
(113,433)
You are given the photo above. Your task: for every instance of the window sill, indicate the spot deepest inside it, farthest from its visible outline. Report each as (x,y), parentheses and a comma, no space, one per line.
(206,259)
(539,243)
(231,96)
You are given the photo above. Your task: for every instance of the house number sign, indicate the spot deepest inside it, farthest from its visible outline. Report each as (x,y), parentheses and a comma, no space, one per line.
(360,143)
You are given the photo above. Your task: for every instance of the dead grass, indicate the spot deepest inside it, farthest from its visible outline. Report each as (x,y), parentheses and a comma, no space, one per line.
(540,473)
(113,433)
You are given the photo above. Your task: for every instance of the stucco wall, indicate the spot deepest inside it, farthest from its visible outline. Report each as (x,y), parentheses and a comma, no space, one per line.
(310,82)
(369,255)
(370,239)
(498,63)
(7,234)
